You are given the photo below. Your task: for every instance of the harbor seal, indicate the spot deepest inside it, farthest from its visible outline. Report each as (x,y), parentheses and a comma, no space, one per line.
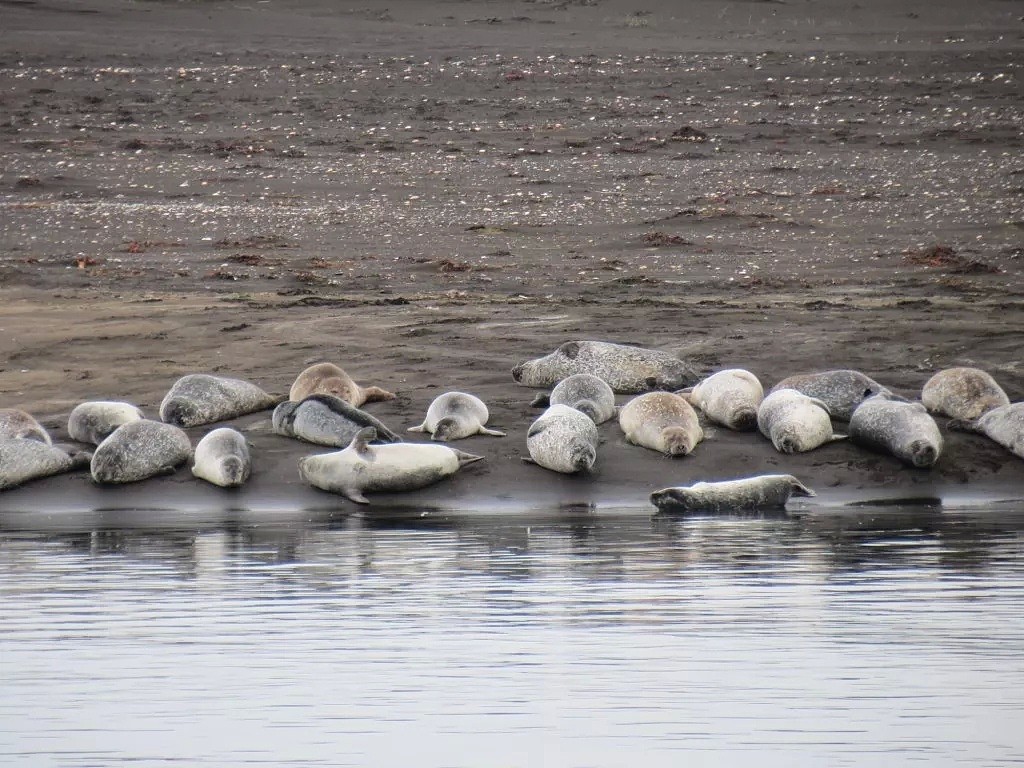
(92,422)
(326,420)
(200,398)
(730,398)
(841,390)
(222,458)
(138,450)
(892,424)
(1004,425)
(962,393)
(329,379)
(23,459)
(760,492)
(16,423)
(661,421)
(627,370)
(362,467)
(563,440)
(586,393)
(455,415)
(795,422)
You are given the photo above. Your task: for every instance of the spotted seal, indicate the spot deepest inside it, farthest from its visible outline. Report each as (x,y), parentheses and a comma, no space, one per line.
(362,467)
(16,423)
(92,422)
(586,393)
(139,450)
(563,439)
(962,393)
(329,379)
(23,459)
(730,398)
(200,398)
(455,415)
(326,420)
(841,390)
(1004,425)
(222,458)
(795,422)
(759,492)
(661,421)
(892,424)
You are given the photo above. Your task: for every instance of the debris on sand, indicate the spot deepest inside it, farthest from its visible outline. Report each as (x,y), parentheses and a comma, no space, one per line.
(658,239)
(689,133)
(946,257)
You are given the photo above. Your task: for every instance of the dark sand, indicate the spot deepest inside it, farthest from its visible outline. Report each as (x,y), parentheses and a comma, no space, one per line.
(428,192)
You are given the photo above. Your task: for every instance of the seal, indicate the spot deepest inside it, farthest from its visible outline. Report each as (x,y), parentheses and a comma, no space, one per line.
(563,440)
(138,450)
(841,390)
(200,398)
(586,393)
(730,398)
(661,421)
(326,420)
(892,424)
(760,492)
(962,393)
(329,379)
(455,415)
(16,423)
(92,422)
(1004,425)
(23,459)
(222,458)
(362,467)
(795,422)
(627,370)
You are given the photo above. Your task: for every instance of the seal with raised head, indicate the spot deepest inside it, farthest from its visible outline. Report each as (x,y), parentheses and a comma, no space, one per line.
(563,439)
(222,458)
(139,450)
(23,459)
(1004,425)
(329,379)
(18,424)
(627,370)
(760,492)
(892,424)
(92,422)
(841,390)
(730,398)
(661,421)
(795,422)
(962,393)
(455,415)
(362,467)
(586,393)
(200,398)
(326,420)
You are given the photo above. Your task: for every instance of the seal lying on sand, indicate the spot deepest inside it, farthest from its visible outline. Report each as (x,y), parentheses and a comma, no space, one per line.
(892,424)
(1004,424)
(222,458)
(396,467)
(627,370)
(455,415)
(761,492)
(795,422)
(93,422)
(962,393)
(730,398)
(329,379)
(138,450)
(662,422)
(563,440)
(841,391)
(326,420)
(586,393)
(16,423)
(23,459)
(203,399)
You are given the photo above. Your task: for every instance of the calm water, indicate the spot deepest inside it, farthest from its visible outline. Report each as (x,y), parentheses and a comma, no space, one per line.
(578,638)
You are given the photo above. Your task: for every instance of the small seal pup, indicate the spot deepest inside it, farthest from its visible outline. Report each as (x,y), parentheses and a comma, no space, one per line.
(138,450)
(1004,424)
(627,370)
(730,398)
(23,459)
(841,390)
(222,458)
(892,424)
(455,415)
(93,421)
(795,422)
(562,439)
(362,467)
(200,398)
(760,492)
(962,393)
(16,423)
(586,393)
(326,420)
(661,421)
(329,379)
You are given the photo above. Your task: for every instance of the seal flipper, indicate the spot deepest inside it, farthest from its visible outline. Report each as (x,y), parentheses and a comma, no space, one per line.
(466,458)
(492,432)
(421,428)
(836,436)
(799,489)
(376,394)
(354,494)
(964,425)
(361,443)
(542,400)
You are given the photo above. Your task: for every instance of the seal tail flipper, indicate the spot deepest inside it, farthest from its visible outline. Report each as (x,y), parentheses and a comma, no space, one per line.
(421,428)
(543,400)
(799,489)
(466,458)
(687,395)
(836,436)
(375,394)
(361,442)
(491,432)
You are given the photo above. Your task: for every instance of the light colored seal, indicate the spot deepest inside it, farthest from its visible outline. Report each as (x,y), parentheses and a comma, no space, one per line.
(326,420)
(760,492)
(455,415)
(661,421)
(795,422)
(92,422)
(222,458)
(730,398)
(16,423)
(200,398)
(627,370)
(23,459)
(892,424)
(841,390)
(563,440)
(586,393)
(962,393)
(1004,424)
(138,450)
(362,467)
(329,379)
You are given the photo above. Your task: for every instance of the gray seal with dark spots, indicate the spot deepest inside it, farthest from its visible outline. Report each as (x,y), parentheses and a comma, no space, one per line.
(586,393)
(455,415)
(200,398)
(563,440)
(841,390)
(222,458)
(23,459)
(892,424)
(962,393)
(661,421)
(1004,425)
(760,492)
(326,420)
(730,398)
(139,450)
(794,422)
(16,423)
(92,422)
